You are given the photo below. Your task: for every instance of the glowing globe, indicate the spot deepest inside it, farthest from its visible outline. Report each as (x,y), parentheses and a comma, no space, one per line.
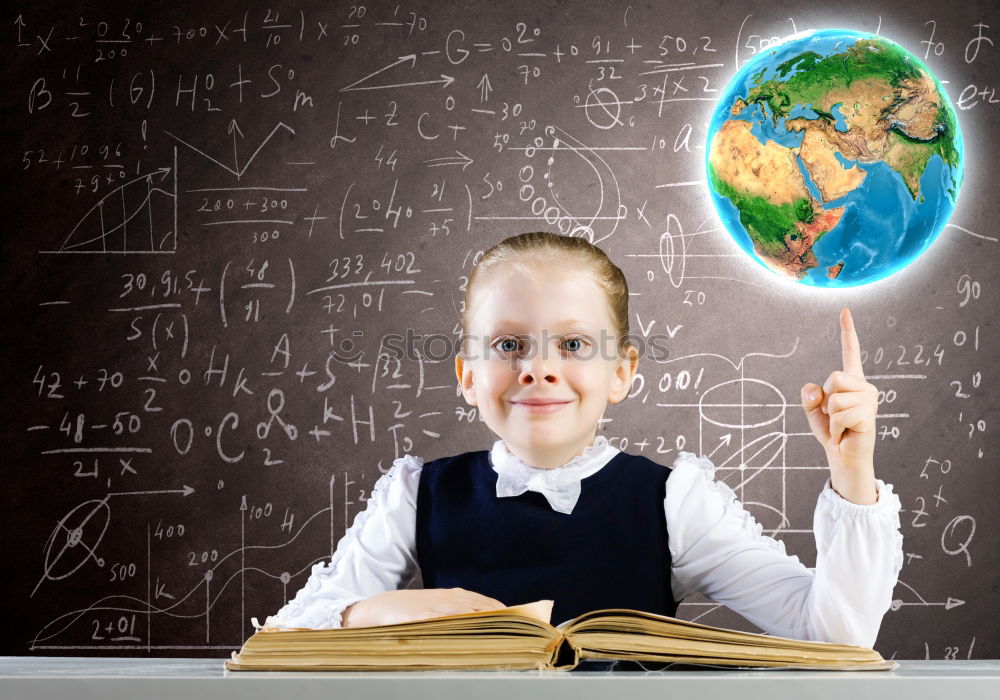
(834,158)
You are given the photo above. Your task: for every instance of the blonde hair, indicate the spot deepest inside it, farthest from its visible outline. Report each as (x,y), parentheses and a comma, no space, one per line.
(530,252)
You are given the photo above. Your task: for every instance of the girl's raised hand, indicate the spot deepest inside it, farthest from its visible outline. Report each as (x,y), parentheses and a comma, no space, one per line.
(841,414)
(406,605)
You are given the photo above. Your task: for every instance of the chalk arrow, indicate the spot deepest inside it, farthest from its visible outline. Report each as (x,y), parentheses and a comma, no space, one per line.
(187,491)
(234,129)
(484,88)
(461,159)
(446,80)
(20,24)
(162,172)
(723,441)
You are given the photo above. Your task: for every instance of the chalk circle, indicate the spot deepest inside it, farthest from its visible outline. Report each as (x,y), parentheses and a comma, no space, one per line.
(76,537)
(731,403)
(597,119)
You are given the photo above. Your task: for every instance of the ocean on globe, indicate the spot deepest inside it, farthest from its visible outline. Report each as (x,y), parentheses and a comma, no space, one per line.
(834,158)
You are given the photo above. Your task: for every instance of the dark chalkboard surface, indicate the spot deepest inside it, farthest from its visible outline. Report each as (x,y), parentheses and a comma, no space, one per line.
(224,220)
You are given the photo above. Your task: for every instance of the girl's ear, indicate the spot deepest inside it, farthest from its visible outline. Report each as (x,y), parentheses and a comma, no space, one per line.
(464,374)
(624,373)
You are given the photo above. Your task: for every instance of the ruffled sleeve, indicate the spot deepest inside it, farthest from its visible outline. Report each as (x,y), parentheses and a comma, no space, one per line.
(719,550)
(376,554)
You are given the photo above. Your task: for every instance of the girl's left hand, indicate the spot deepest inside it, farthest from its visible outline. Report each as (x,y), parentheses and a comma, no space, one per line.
(841,415)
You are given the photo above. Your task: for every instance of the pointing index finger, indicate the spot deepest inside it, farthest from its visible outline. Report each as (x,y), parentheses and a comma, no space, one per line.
(850,347)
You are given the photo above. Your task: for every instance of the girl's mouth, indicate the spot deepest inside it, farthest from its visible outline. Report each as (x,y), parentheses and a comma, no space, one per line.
(540,407)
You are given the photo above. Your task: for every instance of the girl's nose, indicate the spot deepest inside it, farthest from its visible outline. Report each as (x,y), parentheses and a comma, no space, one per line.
(538,368)
(530,377)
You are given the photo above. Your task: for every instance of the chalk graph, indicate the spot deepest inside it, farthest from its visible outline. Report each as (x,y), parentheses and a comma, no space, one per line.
(130,218)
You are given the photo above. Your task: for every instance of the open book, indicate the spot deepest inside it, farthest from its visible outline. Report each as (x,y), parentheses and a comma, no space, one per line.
(520,637)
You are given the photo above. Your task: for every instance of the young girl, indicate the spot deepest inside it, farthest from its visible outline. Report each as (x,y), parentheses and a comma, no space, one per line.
(553,511)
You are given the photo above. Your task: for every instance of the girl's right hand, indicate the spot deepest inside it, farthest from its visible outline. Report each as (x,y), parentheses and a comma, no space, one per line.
(406,605)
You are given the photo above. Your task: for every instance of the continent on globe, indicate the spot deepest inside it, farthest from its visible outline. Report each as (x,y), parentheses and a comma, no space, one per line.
(835,158)
(764,182)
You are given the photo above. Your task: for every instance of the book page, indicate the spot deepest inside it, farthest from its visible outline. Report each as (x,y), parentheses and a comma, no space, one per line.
(540,610)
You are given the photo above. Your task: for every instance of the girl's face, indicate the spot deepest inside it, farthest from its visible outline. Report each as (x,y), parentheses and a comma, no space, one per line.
(545,336)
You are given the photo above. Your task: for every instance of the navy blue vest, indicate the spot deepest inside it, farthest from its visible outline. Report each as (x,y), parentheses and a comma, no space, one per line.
(610,552)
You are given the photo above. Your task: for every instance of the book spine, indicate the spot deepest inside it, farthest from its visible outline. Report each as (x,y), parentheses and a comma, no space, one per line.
(565,654)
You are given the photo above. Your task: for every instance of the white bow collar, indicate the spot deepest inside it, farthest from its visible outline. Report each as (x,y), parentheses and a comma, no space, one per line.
(560,485)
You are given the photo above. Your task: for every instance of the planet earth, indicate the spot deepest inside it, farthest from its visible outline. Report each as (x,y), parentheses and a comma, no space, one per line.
(834,158)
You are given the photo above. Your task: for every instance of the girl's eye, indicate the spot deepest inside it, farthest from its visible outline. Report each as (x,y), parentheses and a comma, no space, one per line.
(504,347)
(581,342)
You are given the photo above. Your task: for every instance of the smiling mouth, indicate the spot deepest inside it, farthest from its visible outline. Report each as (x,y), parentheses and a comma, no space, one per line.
(549,407)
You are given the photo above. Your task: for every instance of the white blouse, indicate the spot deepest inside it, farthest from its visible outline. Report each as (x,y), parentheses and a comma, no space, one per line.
(717,549)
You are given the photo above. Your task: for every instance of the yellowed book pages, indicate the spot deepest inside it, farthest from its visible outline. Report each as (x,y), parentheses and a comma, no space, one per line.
(521,637)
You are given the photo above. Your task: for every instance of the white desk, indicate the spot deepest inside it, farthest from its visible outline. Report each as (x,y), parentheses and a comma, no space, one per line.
(31,678)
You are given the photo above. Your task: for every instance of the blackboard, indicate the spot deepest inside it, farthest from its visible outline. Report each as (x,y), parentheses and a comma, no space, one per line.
(221,218)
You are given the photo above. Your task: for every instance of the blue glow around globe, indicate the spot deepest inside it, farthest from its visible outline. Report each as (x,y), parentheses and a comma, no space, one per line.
(834,158)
